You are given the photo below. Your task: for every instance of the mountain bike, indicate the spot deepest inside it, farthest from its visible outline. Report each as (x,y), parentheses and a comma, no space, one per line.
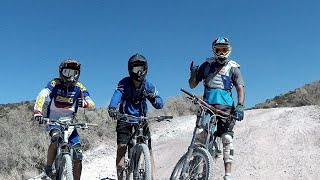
(138,161)
(198,161)
(63,160)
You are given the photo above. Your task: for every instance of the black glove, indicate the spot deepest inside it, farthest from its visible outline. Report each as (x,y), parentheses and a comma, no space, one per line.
(193,69)
(112,112)
(38,117)
(80,102)
(150,96)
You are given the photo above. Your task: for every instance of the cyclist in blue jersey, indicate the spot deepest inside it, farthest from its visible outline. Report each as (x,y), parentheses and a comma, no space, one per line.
(219,74)
(66,94)
(130,97)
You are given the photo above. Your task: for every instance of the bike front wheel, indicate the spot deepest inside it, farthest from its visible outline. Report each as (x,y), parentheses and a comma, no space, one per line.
(65,168)
(142,163)
(200,166)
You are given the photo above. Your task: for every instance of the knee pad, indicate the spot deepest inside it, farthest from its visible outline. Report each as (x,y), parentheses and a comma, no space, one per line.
(227,147)
(55,135)
(77,152)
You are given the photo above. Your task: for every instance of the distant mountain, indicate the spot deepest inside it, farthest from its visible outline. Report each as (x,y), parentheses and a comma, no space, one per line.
(308,94)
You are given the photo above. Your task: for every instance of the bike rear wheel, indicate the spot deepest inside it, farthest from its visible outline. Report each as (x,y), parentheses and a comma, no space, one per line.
(142,163)
(201,166)
(65,168)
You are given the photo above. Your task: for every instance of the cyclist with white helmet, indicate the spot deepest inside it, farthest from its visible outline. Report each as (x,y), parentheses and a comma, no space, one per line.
(66,94)
(219,74)
(130,97)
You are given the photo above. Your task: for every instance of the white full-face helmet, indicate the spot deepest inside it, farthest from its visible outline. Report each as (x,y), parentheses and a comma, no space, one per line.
(221,48)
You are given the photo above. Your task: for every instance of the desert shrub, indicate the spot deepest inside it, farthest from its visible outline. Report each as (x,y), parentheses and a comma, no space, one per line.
(105,131)
(303,96)
(176,106)
(24,143)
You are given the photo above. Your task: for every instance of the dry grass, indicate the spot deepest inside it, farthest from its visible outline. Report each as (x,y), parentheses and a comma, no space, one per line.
(303,96)
(24,143)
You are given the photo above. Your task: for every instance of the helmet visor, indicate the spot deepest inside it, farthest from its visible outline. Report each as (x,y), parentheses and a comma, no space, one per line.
(136,69)
(70,73)
(221,50)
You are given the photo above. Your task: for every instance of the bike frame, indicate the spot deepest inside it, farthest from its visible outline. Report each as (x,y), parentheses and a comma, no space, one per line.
(137,137)
(204,111)
(64,146)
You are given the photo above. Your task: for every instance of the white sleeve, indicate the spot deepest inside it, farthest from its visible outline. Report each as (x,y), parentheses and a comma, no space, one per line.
(44,93)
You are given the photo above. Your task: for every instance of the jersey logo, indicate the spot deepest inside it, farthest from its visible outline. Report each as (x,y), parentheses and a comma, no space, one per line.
(64,99)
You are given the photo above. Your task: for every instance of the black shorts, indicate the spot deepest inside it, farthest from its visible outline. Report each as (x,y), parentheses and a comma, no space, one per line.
(124,131)
(225,127)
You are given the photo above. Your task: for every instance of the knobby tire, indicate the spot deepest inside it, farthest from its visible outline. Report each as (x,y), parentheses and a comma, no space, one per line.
(198,154)
(65,170)
(142,161)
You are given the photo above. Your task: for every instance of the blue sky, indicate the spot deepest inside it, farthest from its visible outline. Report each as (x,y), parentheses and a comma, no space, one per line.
(276,43)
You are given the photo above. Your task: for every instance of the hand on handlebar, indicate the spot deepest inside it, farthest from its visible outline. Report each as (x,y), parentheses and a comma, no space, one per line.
(38,117)
(112,112)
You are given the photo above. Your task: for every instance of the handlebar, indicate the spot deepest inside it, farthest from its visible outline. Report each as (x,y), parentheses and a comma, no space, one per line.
(135,119)
(68,122)
(201,102)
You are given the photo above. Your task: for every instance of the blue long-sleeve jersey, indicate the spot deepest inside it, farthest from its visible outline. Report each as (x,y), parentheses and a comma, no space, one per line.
(133,101)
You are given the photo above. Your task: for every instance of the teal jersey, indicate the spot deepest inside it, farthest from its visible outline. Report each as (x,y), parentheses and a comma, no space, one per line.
(219,80)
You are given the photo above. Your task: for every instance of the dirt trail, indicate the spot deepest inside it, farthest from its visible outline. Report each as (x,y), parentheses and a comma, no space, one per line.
(280,143)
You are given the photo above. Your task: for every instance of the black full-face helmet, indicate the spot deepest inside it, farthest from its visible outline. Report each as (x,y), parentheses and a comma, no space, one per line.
(138,67)
(69,71)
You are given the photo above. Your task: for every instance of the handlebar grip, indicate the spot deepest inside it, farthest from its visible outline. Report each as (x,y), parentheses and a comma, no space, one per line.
(92,124)
(167,117)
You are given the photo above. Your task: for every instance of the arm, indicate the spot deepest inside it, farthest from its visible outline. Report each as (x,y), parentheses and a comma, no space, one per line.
(239,84)
(87,101)
(196,74)
(240,92)
(152,95)
(158,104)
(115,100)
(193,76)
(44,93)
(193,81)
(238,81)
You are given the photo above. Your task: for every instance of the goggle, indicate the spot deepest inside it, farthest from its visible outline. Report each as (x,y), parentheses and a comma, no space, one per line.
(70,73)
(221,50)
(136,69)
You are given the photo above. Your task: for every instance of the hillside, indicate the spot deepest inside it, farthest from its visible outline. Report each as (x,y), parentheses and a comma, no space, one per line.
(308,94)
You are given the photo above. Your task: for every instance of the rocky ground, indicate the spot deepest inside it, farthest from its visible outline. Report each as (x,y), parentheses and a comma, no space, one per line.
(279,143)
